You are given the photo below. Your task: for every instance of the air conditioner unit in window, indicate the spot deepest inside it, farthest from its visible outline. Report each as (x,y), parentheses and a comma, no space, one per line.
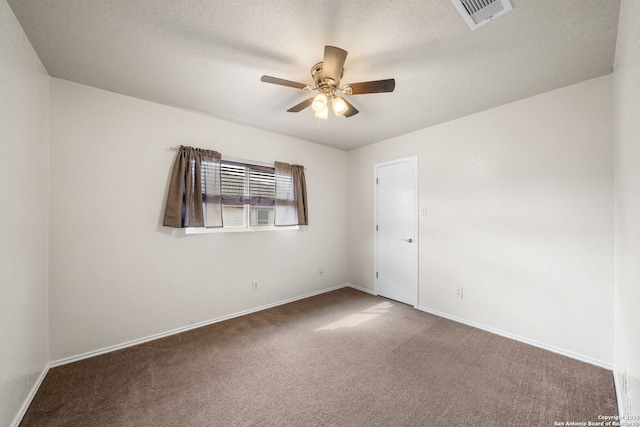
(261,215)
(476,13)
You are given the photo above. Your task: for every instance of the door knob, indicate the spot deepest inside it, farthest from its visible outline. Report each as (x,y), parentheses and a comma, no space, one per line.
(408,240)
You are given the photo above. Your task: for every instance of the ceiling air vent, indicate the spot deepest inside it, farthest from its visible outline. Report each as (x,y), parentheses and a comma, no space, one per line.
(478,12)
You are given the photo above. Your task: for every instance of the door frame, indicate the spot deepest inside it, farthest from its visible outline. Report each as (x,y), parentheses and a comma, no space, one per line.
(413,160)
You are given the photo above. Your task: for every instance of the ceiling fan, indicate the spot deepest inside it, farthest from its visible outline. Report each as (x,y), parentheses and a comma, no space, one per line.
(326,77)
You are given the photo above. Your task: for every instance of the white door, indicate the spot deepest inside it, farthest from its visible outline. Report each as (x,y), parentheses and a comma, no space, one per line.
(397,230)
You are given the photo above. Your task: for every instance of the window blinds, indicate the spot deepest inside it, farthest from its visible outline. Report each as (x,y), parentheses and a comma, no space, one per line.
(244,184)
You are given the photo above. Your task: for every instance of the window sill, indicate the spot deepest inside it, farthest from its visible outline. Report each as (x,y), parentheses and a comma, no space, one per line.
(194,230)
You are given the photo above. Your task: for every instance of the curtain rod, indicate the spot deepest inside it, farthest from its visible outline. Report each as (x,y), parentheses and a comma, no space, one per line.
(235,159)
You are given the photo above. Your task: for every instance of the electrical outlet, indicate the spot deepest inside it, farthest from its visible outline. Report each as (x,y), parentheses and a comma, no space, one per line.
(321,272)
(459,293)
(254,286)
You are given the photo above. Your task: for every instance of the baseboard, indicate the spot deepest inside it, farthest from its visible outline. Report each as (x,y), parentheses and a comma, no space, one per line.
(534,343)
(27,402)
(368,291)
(116,347)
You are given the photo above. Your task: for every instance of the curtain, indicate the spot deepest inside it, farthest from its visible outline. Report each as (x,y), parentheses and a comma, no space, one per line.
(194,198)
(300,188)
(291,195)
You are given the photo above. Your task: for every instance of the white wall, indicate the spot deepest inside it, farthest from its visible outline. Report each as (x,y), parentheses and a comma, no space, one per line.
(627,190)
(24,102)
(116,274)
(520,215)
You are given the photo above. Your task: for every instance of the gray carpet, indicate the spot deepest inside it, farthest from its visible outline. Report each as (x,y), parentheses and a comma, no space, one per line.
(344,358)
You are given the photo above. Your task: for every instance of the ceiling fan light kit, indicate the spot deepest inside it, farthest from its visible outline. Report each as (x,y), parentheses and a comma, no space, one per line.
(321,105)
(326,77)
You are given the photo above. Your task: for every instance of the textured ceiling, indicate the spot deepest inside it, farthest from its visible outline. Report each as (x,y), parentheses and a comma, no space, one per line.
(208,56)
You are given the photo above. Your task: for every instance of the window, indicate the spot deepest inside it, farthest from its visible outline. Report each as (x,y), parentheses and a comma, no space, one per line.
(207,193)
(248,195)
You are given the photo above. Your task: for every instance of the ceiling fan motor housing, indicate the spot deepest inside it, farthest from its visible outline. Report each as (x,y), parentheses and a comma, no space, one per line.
(325,84)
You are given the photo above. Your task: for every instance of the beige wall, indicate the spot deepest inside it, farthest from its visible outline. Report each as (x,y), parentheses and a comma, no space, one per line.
(627,172)
(520,215)
(117,275)
(24,106)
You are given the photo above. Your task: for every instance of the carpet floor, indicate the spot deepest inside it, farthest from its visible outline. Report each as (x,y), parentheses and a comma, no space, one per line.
(343,358)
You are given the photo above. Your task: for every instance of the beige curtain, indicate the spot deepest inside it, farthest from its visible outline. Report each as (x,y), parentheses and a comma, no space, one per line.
(194,198)
(291,195)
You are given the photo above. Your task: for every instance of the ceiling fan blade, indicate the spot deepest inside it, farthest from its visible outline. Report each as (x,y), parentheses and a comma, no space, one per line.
(333,63)
(376,86)
(301,106)
(351,110)
(282,82)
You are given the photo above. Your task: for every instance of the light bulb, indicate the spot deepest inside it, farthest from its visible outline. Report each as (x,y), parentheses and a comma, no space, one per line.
(319,103)
(339,106)
(322,114)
